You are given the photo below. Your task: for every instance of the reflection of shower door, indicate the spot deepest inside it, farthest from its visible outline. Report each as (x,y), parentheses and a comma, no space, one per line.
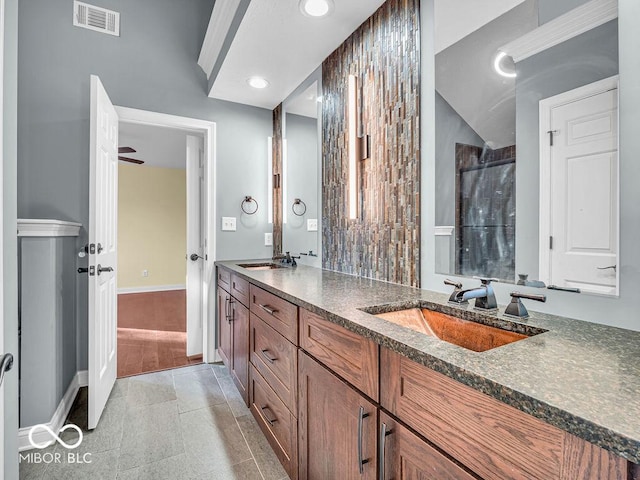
(485,212)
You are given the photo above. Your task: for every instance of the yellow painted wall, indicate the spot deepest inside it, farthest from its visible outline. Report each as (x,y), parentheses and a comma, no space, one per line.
(152,226)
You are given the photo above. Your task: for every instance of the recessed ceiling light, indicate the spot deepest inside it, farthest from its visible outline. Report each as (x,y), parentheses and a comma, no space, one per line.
(258,82)
(316,8)
(497,66)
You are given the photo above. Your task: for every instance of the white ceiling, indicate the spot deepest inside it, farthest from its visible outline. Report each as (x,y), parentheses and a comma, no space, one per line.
(455,19)
(305,104)
(466,79)
(157,146)
(277,42)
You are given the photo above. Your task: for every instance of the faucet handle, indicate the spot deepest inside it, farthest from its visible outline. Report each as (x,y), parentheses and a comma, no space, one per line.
(516,308)
(457,285)
(486,280)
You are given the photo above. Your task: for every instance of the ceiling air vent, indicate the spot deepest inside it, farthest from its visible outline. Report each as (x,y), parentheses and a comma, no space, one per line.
(96,18)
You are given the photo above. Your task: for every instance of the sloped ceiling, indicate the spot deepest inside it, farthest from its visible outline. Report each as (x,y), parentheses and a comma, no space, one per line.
(467,81)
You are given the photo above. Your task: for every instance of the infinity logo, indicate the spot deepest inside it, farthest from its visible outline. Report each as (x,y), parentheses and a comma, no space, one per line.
(56,437)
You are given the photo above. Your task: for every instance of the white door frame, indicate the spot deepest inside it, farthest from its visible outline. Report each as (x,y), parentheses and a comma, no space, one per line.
(208,130)
(2,390)
(545,107)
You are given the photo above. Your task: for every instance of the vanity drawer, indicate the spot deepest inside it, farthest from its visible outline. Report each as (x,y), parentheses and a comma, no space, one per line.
(281,315)
(276,359)
(224,279)
(240,289)
(275,420)
(491,438)
(349,355)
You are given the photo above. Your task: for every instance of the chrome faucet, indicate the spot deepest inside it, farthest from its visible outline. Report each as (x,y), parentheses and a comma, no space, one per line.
(286,258)
(484,295)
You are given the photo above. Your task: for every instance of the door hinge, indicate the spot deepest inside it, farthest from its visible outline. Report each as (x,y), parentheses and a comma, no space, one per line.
(92,248)
(550,243)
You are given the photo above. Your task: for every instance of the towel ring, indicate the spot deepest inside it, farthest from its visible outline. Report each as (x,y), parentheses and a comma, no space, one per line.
(297,201)
(249,199)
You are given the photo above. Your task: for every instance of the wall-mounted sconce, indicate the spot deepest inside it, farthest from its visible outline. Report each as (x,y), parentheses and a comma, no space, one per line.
(249,205)
(358,145)
(284,177)
(298,208)
(270,179)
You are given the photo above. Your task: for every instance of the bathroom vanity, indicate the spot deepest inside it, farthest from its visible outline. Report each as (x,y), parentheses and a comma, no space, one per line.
(343,386)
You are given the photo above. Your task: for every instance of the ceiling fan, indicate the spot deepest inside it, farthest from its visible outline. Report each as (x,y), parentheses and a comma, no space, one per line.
(127,159)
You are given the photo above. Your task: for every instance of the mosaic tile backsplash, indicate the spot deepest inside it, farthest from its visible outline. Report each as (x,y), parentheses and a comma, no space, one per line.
(384,241)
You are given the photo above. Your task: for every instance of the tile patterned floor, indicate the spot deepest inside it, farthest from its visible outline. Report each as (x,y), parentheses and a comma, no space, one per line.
(152,332)
(188,423)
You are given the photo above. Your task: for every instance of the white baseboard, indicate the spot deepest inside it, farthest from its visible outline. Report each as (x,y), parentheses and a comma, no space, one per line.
(41,436)
(151,288)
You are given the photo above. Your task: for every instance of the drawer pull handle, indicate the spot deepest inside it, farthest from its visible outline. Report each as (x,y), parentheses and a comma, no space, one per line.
(265,354)
(383,440)
(271,420)
(268,308)
(361,461)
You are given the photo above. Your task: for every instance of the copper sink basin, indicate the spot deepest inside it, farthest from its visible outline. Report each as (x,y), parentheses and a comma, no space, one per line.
(261,266)
(464,333)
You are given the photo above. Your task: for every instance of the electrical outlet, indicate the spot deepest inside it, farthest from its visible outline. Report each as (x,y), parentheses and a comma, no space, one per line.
(268,239)
(145,273)
(228,224)
(312,225)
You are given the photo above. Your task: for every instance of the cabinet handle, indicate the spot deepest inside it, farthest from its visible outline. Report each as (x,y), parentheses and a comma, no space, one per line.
(268,308)
(265,354)
(361,461)
(383,440)
(226,308)
(266,409)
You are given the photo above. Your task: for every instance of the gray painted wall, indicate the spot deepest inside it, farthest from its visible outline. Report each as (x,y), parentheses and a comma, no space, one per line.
(151,66)
(550,9)
(621,311)
(580,61)
(450,129)
(302,182)
(10,240)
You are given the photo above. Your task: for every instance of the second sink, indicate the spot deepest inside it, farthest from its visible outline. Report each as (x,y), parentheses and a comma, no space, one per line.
(464,333)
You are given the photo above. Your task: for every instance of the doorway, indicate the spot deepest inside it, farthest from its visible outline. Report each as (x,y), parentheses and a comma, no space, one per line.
(159,226)
(181,311)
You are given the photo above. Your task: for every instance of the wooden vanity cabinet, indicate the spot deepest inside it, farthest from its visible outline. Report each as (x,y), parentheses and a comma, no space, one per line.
(405,456)
(233,328)
(336,426)
(494,440)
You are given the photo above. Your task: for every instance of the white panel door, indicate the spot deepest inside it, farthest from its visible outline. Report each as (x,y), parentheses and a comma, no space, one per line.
(195,243)
(103,234)
(584,194)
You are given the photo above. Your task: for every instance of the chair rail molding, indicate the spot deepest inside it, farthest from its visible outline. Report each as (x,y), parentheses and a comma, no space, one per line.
(36,227)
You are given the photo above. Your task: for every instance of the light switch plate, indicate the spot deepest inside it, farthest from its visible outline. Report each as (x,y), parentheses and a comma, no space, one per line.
(228,224)
(312,225)
(268,239)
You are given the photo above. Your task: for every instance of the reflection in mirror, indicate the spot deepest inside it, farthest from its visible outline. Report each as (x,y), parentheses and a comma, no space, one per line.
(300,174)
(526,166)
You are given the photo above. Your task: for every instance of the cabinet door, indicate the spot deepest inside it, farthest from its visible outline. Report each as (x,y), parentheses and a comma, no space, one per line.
(240,347)
(224,327)
(336,426)
(405,456)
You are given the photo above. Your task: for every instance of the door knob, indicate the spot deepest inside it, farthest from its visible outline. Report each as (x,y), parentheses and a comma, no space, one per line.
(194,257)
(104,269)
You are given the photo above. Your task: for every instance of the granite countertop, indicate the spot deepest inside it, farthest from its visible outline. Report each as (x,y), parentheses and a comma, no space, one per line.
(578,376)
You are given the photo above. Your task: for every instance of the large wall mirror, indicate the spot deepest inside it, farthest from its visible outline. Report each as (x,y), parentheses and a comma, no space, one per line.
(301,167)
(526,142)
